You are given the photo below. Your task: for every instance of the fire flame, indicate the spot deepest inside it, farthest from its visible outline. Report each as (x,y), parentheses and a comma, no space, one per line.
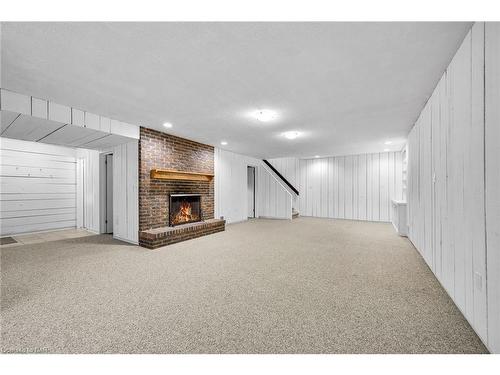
(185,213)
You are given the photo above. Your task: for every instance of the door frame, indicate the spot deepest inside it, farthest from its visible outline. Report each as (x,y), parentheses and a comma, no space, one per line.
(254,168)
(103,191)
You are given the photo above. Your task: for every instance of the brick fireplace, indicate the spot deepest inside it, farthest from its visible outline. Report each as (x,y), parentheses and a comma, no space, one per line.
(184,209)
(158,150)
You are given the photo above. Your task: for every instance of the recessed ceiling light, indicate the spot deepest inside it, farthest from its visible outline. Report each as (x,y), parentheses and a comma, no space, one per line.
(387,142)
(223,143)
(316,156)
(265,115)
(167,125)
(291,134)
(386,150)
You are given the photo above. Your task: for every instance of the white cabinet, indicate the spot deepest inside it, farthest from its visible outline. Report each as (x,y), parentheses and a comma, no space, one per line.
(398,217)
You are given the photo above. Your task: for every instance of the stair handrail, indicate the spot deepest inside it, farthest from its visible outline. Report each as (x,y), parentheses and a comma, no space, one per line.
(281,176)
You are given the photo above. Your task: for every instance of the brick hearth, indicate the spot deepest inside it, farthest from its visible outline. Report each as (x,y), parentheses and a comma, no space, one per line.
(159,237)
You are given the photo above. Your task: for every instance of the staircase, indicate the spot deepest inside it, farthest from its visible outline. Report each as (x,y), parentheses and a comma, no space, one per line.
(280,176)
(289,186)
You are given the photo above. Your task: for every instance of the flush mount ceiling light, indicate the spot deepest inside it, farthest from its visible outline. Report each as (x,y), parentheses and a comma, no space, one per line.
(316,156)
(167,125)
(387,142)
(265,115)
(386,150)
(223,143)
(291,134)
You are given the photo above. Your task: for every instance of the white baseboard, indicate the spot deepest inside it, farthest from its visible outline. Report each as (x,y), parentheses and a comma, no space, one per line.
(125,240)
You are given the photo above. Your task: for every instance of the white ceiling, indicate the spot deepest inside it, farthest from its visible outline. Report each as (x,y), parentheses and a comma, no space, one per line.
(347,87)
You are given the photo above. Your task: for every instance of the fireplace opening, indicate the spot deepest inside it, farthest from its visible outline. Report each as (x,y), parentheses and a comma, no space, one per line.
(184,208)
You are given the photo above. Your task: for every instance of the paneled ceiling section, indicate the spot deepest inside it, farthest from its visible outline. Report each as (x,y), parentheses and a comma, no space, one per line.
(32,119)
(347,87)
(29,128)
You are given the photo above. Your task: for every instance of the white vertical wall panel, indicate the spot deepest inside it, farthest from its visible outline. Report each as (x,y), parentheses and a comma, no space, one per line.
(348,187)
(492,167)
(460,75)
(361,188)
(369,192)
(341,187)
(124,129)
(331,197)
(59,113)
(92,121)
(39,108)
(88,166)
(439,129)
(38,187)
(274,199)
(375,187)
(77,117)
(302,183)
(384,202)
(105,124)
(125,192)
(80,191)
(426,179)
(335,186)
(448,216)
(323,209)
(355,186)
(308,182)
(474,192)
(14,102)
(288,167)
(358,187)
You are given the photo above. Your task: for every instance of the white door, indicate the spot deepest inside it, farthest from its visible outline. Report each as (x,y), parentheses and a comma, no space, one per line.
(251,191)
(109,193)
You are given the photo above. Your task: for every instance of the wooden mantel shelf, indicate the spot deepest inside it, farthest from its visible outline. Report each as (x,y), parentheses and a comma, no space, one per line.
(168,174)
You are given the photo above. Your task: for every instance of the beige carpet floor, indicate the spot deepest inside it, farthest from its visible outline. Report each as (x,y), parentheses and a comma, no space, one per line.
(264,286)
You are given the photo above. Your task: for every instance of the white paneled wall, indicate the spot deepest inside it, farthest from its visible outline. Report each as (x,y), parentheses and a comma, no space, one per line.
(125,192)
(38,187)
(230,186)
(46,187)
(289,168)
(447,213)
(88,190)
(492,168)
(231,189)
(275,201)
(358,187)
